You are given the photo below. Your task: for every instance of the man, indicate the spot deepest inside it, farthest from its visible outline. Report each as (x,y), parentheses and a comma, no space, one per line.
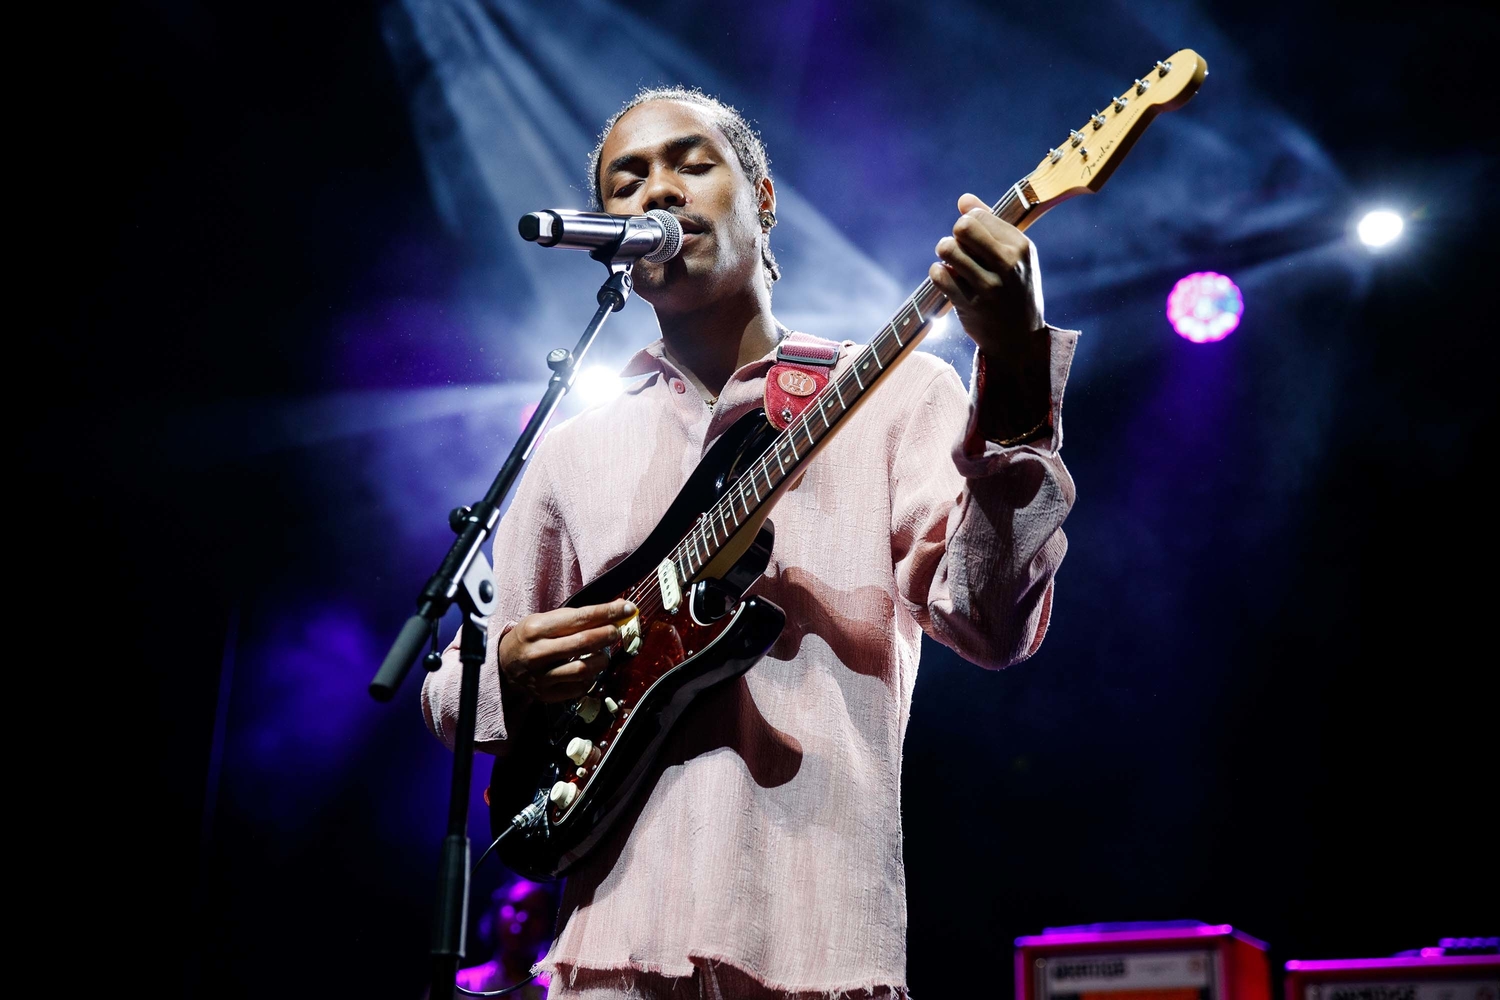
(766,859)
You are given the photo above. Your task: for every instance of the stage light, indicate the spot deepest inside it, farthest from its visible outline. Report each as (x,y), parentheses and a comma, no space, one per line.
(940,326)
(1379,228)
(597,384)
(1204,307)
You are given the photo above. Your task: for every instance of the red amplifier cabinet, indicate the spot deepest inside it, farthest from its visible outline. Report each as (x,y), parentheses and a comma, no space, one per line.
(1418,977)
(1180,960)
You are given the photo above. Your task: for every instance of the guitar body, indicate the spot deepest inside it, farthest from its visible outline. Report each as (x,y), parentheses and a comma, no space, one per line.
(713,636)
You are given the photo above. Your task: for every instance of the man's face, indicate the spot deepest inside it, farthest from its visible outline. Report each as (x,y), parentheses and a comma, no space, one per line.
(670,155)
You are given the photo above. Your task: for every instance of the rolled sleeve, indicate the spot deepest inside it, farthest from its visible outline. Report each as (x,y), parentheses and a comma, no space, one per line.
(977,548)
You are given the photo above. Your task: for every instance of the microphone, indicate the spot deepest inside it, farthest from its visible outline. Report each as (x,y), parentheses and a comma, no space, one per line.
(655,236)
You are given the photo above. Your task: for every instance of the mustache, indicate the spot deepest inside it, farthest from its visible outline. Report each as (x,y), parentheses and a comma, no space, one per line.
(700,223)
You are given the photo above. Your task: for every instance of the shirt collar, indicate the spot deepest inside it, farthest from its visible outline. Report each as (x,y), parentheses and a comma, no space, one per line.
(652,359)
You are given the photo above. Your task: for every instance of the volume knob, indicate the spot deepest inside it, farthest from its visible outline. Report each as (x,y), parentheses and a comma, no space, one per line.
(563,793)
(579,749)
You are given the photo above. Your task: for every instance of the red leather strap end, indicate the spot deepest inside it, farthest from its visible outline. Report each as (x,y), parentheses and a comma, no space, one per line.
(803,365)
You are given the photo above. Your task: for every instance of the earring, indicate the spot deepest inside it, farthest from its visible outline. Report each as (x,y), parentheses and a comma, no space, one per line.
(767,219)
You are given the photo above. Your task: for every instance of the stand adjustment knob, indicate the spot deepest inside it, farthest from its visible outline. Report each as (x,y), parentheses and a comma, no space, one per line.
(559,358)
(458,517)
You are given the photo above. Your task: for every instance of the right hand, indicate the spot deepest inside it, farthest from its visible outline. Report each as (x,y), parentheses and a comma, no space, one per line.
(550,655)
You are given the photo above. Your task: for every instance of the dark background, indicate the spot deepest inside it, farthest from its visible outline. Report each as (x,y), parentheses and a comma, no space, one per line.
(1266,706)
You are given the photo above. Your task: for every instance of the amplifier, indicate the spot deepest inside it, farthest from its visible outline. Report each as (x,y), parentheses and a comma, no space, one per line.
(1418,977)
(1176,960)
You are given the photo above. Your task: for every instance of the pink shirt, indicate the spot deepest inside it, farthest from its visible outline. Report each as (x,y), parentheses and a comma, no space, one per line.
(772,841)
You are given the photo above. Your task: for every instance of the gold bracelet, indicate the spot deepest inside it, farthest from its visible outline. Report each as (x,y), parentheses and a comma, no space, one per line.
(1028,436)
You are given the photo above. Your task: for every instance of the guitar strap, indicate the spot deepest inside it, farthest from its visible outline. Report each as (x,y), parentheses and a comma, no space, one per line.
(803,366)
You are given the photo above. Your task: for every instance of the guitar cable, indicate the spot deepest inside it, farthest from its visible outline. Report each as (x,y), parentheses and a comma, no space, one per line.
(526,817)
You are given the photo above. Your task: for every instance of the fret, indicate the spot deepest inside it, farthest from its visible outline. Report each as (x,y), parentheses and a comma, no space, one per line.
(908,319)
(876,355)
(857,380)
(793,445)
(753,486)
(778,462)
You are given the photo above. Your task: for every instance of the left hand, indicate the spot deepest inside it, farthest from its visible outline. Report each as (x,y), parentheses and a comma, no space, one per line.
(988,270)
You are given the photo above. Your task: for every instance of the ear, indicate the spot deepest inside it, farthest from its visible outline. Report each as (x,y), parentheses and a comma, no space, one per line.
(766,196)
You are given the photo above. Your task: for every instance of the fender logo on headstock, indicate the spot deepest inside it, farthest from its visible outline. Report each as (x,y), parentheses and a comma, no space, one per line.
(1078,166)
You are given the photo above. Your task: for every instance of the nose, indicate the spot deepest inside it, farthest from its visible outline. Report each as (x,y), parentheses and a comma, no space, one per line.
(662,190)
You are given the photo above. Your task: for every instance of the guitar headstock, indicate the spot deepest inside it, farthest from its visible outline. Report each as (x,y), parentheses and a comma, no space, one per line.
(1083,161)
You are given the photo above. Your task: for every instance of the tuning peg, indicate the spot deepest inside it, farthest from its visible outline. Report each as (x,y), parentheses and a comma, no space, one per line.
(1098,120)
(1163,68)
(1120,102)
(1055,154)
(1141,85)
(1077,136)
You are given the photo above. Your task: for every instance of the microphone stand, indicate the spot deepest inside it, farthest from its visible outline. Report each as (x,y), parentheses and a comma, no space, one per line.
(465,578)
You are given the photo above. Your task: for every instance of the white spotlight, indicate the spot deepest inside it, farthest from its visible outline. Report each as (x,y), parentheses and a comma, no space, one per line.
(597,384)
(940,326)
(1379,228)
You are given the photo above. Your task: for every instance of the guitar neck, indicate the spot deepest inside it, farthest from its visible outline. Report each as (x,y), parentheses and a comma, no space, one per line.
(749,499)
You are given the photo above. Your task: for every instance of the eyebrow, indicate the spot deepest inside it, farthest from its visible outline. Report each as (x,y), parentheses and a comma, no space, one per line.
(677,146)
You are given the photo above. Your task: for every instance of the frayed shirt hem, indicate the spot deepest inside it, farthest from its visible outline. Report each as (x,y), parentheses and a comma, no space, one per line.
(568,971)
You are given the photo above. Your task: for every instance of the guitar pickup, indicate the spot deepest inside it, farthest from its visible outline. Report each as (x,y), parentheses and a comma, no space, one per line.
(671,586)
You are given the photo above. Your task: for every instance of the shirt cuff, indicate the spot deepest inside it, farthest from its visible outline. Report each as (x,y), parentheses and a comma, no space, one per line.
(975,455)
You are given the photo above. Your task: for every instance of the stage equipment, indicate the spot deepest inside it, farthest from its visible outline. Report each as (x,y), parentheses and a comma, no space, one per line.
(1205,307)
(1169,960)
(1379,228)
(655,236)
(1441,973)
(573,769)
(465,578)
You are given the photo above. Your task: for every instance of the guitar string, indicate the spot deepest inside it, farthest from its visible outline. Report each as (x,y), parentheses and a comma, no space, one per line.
(648,598)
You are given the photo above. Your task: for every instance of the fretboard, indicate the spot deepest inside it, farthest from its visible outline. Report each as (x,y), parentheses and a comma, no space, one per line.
(758,485)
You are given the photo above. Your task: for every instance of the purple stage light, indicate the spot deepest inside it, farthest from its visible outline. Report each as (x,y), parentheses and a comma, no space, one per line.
(1204,307)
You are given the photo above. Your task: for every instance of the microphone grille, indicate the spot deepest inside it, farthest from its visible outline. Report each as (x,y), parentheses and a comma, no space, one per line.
(671,244)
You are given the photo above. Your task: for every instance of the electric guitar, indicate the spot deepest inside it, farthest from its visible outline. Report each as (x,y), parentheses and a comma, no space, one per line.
(574,769)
